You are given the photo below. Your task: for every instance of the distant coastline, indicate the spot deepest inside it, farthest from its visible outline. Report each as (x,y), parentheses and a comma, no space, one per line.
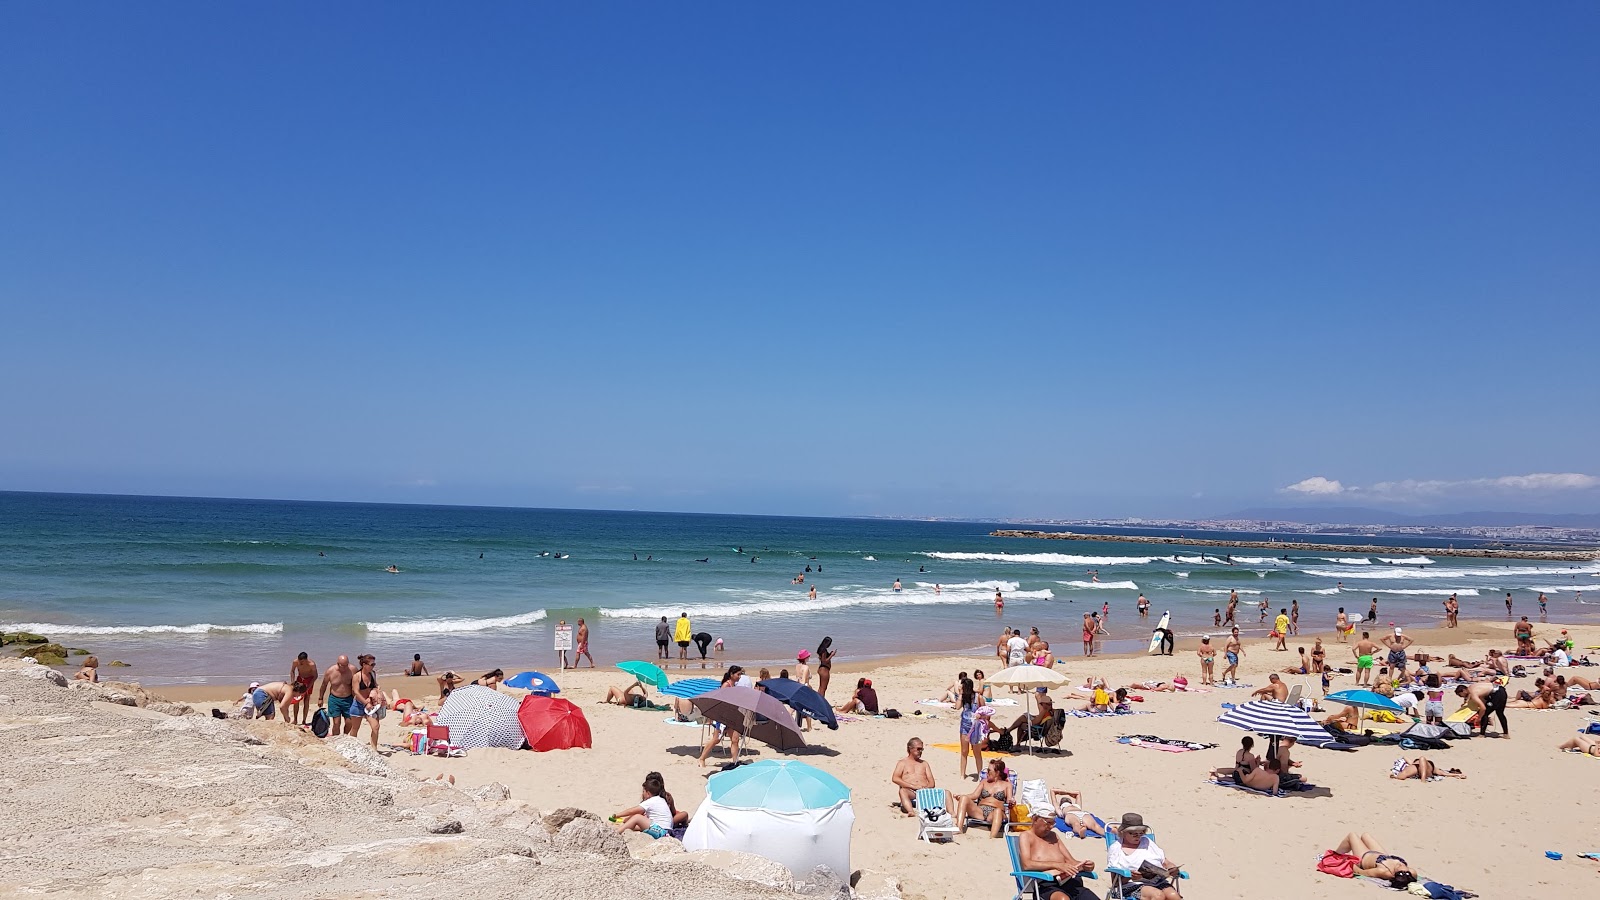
(1552,555)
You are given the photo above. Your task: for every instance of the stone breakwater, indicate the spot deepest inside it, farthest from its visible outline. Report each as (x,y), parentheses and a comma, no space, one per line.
(1370,549)
(111,791)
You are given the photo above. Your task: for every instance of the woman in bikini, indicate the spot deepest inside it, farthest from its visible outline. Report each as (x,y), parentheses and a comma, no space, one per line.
(1208,661)
(1318,655)
(1581,744)
(825,655)
(1069,806)
(988,804)
(1421,769)
(1373,862)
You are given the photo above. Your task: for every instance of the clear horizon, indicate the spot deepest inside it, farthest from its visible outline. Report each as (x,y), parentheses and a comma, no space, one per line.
(897,261)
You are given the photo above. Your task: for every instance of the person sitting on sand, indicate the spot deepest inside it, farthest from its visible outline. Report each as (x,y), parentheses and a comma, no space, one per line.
(1373,862)
(1305,665)
(952,694)
(491,680)
(863,700)
(633,695)
(418,667)
(910,775)
(1268,776)
(89,672)
(1347,718)
(1069,808)
(1420,768)
(1040,849)
(448,682)
(1583,743)
(652,816)
(1155,877)
(988,802)
(1275,689)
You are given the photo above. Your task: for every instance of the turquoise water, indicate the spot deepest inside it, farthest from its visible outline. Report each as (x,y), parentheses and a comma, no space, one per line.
(200,589)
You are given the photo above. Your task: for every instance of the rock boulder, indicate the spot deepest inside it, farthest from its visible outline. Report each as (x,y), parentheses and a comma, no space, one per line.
(590,836)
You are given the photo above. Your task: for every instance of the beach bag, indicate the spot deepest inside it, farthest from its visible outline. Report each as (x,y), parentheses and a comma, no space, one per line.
(319,723)
(1033,794)
(1052,732)
(1002,743)
(938,817)
(1340,865)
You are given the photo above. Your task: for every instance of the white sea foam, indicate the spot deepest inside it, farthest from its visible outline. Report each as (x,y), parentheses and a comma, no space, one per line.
(1407,561)
(1002,586)
(1228,591)
(781,602)
(1455,572)
(1117,585)
(1260,561)
(449,626)
(870,558)
(1048,559)
(1181,574)
(50,628)
(1347,560)
(1324,591)
(1426,592)
(1194,560)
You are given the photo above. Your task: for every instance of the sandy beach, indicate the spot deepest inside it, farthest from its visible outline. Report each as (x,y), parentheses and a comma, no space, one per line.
(1486,834)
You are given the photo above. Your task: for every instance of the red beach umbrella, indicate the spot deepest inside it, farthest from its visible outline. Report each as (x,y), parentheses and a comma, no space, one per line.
(550,723)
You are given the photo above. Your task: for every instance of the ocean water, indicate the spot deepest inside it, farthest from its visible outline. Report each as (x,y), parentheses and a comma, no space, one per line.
(198,590)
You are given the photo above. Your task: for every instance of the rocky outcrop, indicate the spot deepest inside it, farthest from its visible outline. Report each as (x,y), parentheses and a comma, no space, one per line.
(590,836)
(1369,549)
(744,867)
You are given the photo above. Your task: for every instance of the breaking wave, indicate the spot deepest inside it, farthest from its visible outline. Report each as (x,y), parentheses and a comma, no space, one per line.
(1118,585)
(782,602)
(451,626)
(47,628)
(1048,559)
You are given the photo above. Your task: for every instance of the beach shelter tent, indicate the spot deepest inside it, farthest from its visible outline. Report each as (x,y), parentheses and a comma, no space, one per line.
(550,723)
(784,810)
(481,717)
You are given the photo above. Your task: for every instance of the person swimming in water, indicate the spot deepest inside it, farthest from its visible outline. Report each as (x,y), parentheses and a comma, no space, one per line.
(393,570)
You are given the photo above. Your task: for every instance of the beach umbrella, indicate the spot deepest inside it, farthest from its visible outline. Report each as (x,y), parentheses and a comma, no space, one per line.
(537,682)
(753,714)
(1275,720)
(481,717)
(1364,700)
(550,723)
(646,673)
(782,785)
(802,699)
(1028,676)
(690,687)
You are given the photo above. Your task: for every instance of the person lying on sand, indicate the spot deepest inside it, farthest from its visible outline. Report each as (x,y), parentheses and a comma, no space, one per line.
(1583,743)
(1420,768)
(633,695)
(1069,808)
(1374,862)
(1040,849)
(491,680)
(1178,683)
(1566,681)
(910,775)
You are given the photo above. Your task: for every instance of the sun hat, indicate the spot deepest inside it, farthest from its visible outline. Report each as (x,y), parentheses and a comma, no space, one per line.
(254,685)
(803,654)
(1132,822)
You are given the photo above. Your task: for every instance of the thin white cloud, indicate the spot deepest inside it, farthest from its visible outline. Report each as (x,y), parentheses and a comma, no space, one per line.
(1315,485)
(1537,482)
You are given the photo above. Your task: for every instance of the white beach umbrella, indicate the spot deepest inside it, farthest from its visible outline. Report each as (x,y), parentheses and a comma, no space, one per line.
(1028,677)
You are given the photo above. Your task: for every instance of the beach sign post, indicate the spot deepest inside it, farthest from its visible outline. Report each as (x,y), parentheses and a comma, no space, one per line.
(563,642)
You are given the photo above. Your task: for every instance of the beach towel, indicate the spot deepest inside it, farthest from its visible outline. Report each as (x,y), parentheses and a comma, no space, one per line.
(956,748)
(1280,792)
(1236,684)
(939,703)
(1081,714)
(1003,701)
(1171,745)
(673,720)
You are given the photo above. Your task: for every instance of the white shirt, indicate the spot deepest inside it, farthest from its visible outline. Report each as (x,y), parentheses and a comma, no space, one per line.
(1017,650)
(1562,659)
(1120,857)
(656,809)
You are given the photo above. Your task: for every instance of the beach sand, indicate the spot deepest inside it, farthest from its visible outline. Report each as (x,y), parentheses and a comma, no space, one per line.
(1487,834)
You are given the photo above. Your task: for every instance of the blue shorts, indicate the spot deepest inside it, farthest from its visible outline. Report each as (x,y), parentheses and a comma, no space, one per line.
(339,707)
(263,702)
(357,711)
(1233,658)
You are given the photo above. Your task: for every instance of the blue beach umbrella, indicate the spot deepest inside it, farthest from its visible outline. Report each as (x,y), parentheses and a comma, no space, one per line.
(647,673)
(537,682)
(802,699)
(690,687)
(780,785)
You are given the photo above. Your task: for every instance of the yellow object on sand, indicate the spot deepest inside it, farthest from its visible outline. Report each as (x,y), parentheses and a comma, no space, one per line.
(1460,715)
(956,748)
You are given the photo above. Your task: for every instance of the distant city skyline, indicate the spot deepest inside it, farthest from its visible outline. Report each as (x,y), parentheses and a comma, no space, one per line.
(1046,262)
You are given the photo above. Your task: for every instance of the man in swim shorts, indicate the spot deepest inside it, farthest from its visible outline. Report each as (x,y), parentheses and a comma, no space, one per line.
(1364,651)
(303,675)
(1230,652)
(1397,644)
(338,686)
(683,632)
(266,698)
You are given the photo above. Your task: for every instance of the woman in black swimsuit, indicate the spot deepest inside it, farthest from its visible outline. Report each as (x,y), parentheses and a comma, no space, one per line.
(1375,863)
(824,665)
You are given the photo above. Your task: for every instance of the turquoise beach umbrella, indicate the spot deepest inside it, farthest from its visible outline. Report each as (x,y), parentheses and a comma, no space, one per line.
(1365,700)
(647,673)
(781,785)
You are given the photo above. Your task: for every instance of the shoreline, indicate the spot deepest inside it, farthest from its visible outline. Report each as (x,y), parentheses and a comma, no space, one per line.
(1375,549)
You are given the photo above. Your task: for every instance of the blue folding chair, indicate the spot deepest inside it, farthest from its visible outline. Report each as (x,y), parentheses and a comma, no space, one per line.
(1120,876)
(1027,881)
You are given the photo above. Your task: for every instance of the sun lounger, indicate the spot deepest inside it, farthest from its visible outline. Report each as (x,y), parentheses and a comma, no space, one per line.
(933,815)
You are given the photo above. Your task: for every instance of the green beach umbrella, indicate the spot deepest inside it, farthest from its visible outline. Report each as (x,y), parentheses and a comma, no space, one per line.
(647,673)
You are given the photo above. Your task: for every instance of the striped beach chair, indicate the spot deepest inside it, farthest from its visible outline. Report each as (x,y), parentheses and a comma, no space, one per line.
(1028,882)
(933,815)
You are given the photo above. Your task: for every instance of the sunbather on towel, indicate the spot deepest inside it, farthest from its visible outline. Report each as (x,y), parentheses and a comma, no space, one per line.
(632,695)
(1071,812)
(1374,862)
(1583,743)
(1420,768)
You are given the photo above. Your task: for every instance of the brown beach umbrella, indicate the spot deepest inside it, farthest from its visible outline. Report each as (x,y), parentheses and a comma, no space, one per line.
(753,714)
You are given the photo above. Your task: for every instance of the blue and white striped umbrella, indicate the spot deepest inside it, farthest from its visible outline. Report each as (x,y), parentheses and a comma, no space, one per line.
(481,717)
(690,687)
(1274,719)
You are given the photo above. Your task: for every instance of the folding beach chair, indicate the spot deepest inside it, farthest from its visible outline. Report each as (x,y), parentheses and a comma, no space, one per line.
(1028,883)
(1119,876)
(437,739)
(933,815)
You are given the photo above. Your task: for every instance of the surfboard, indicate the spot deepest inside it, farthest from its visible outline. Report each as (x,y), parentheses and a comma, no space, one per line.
(1155,636)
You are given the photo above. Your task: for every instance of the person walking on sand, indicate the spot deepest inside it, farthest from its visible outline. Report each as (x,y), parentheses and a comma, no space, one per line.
(802,669)
(583,645)
(338,686)
(303,675)
(1231,651)
(364,691)
(1364,651)
(1294,616)
(683,633)
(1280,628)
(663,638)
(913,774)
(1372,611)
(1397,644)
(1341,625)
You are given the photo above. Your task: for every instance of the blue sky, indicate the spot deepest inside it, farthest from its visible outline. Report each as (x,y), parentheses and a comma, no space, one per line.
(903,259)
